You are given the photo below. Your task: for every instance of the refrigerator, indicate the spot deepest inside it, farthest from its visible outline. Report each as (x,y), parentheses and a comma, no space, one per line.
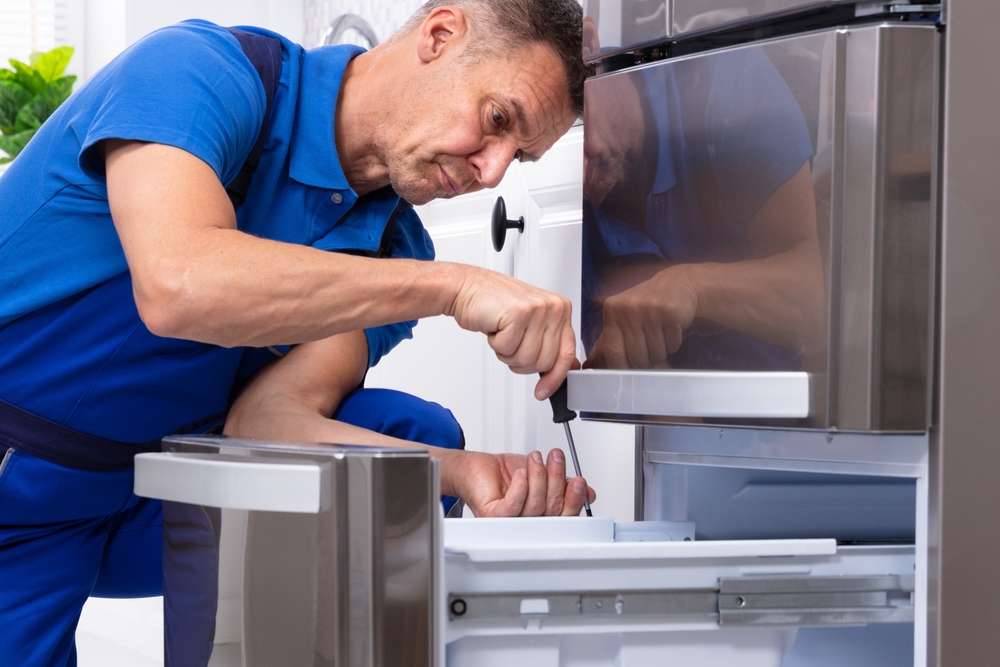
(788,285)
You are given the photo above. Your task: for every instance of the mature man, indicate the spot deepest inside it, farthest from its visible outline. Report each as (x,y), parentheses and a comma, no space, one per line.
(149,289)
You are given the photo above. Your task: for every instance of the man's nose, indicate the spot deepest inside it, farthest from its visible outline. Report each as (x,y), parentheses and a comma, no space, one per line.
(490,164)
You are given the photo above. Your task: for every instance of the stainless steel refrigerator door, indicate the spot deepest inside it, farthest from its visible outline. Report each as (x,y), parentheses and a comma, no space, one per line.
(295,555)
(764,209)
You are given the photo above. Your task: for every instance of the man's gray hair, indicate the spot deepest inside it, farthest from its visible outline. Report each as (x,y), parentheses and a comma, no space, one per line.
(497,27)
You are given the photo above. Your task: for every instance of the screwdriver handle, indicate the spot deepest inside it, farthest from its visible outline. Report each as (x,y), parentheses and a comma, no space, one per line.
(560,413)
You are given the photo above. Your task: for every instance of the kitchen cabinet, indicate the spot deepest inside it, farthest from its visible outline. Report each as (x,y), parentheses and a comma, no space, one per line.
(456,368)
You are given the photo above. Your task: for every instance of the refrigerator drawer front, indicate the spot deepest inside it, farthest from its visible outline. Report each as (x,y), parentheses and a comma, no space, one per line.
(294,554)
(766,209)
(723,602)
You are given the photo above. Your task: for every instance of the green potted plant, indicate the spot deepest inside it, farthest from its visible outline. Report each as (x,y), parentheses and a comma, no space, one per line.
(30,93)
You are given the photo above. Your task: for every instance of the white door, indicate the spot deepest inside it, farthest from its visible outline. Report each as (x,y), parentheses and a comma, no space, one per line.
(457,369)
(548,194)
(443,363)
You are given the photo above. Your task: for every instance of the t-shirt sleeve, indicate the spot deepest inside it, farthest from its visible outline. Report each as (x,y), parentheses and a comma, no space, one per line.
(410,241)
(188,86)
(757,133)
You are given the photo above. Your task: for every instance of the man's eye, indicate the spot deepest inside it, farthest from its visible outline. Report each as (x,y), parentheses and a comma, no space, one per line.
(497,117)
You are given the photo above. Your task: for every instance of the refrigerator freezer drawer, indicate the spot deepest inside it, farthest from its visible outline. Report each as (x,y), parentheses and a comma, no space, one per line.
(579,597)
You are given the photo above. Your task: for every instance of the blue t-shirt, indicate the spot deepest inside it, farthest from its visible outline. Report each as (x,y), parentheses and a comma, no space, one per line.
(72,347)
(728,120)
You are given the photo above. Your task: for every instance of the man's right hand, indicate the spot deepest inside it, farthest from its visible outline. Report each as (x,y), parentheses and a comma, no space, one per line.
(528,328)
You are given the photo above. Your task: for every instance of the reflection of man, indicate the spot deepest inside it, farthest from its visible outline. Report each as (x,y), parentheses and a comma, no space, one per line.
(137,302)
(700,226)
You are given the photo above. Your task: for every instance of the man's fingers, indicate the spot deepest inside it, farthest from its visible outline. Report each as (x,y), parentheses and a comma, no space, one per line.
(614,346)
(575,490)
(534,503)
(513,500)
(554,376)
(555,466)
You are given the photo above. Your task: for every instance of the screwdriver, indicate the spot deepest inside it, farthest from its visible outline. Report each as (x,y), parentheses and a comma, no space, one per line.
(561,414)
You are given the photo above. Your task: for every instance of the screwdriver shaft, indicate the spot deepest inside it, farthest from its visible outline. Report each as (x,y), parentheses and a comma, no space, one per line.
(576,464)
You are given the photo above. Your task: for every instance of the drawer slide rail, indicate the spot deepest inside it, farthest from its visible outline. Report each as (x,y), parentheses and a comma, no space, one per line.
(747,601)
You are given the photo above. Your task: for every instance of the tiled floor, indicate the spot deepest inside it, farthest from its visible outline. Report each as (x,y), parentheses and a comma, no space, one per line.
(121,633)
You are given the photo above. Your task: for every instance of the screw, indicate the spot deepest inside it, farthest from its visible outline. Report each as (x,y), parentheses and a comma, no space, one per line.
(740,601)
(599,604)
(458,607)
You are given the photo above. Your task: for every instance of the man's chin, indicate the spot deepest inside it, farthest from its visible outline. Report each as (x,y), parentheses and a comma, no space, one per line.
(416,200)
(416,193)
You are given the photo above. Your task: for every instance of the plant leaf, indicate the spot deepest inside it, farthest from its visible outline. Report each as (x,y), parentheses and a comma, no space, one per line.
(51,64)
(7,74)
(28,117)
(5,160)
(27,77)
(13,97)
(43,105)
(14,143)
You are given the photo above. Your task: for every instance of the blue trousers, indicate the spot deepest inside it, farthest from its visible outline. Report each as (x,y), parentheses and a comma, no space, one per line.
(68,534)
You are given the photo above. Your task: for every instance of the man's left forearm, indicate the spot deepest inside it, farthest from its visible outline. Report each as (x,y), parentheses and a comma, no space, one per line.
(779,299)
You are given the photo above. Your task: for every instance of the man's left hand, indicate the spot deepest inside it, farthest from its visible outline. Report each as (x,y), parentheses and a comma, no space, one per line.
(500,485)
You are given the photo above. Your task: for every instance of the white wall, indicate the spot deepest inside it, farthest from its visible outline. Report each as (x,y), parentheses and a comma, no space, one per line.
(385,16)
(109,26)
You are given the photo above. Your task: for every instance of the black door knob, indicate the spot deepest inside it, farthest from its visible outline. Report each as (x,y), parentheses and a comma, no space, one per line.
(501,224)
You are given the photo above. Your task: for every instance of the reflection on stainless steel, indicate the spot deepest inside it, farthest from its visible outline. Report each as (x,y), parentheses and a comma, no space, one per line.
(882,345)
(695,15)
(617,23)
(350,585)
(766,208)
(612,24)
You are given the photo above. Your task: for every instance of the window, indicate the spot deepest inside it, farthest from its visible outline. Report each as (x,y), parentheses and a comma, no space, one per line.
(32,25)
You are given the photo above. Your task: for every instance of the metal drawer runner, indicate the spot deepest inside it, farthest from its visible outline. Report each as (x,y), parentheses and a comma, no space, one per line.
(747,601)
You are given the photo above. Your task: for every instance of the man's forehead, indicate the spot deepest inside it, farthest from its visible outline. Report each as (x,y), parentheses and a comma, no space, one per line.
(533,88)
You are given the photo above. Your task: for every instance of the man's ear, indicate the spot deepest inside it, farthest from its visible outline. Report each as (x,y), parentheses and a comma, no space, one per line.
(444,30)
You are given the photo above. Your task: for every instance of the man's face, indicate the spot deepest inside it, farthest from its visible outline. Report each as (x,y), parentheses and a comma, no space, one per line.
(612,144)
(467,121)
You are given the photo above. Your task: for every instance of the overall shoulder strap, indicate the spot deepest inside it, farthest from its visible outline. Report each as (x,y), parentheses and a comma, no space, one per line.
(264,54)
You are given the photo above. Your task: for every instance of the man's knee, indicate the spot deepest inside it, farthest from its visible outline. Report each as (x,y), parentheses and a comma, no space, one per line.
(401,415)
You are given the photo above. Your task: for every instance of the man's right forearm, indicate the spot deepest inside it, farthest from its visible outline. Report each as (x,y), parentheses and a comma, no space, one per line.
(242,290)
(195,276)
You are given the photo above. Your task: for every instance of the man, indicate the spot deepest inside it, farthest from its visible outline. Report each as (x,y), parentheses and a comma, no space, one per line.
(137,301)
